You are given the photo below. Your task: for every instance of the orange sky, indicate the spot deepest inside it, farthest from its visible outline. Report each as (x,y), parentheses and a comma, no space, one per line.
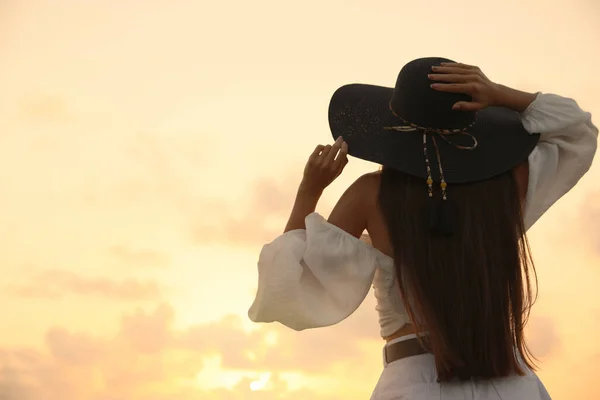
(149,148)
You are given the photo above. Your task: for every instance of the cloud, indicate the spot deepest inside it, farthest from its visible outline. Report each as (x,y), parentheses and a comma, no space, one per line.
(79,366)
(148,358)
(58,283)
(253,220)
(74,349)
(148,333)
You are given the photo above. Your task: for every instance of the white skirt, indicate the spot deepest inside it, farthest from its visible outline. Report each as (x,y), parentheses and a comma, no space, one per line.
(414,378)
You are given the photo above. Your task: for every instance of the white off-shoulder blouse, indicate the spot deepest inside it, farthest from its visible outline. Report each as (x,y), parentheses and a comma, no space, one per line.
(318,276)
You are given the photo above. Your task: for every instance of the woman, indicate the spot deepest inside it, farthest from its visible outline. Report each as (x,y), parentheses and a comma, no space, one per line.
(468,167)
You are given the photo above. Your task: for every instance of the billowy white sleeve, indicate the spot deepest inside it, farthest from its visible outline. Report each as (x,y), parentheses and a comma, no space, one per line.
(568,141)
(313,277)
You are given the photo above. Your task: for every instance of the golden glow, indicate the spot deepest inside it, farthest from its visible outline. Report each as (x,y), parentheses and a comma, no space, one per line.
(261,383)
(149,149)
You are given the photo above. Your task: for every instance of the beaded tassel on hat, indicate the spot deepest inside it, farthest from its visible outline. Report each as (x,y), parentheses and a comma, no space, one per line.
(427,166)
(443,183)
(440,215)
(429,181)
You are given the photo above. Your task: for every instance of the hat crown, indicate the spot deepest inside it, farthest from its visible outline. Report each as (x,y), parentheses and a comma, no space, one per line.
(417,103)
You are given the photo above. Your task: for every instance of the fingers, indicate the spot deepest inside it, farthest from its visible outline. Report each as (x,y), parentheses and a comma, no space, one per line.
(467,106)
(453,87)
(468,88)
(459,65)
(458,76)
(326,154)
(325,151)
(332,153)
(342,158)
(317,151)
(453,70)
(325,164)
(454,78)
(316,155)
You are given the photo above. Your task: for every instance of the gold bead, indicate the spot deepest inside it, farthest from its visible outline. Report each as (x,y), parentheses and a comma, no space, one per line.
(443,185)
(429,181)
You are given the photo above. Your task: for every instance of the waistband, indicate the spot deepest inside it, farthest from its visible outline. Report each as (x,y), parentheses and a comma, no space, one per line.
(402,347)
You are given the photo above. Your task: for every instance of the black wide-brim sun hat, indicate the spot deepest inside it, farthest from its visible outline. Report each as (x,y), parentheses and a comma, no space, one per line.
(360,113)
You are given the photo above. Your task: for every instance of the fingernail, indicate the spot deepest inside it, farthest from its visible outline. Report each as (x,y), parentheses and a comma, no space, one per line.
(434,68)
(433,85)
(456,107)
(444,63)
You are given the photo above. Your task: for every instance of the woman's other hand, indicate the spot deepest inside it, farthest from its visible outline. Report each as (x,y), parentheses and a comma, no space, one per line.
(324,165)
(465,79)
(468,79)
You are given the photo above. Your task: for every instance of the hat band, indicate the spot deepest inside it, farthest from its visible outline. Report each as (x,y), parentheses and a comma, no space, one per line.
(411,127)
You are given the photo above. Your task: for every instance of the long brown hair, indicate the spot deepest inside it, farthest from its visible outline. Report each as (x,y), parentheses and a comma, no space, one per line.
(470,293)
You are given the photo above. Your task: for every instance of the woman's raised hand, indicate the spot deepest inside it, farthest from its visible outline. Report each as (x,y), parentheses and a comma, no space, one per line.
(324,165)
(466,79)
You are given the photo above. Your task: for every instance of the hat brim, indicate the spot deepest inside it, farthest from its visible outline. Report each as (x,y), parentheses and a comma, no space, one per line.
(359,113)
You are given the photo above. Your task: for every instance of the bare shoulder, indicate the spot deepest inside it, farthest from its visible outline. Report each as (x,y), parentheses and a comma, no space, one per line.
(364,190)
(367,181)
(371,178)
(367,187)
(352,209)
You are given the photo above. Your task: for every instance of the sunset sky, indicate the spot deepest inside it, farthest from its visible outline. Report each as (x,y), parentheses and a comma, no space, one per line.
(149,148)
